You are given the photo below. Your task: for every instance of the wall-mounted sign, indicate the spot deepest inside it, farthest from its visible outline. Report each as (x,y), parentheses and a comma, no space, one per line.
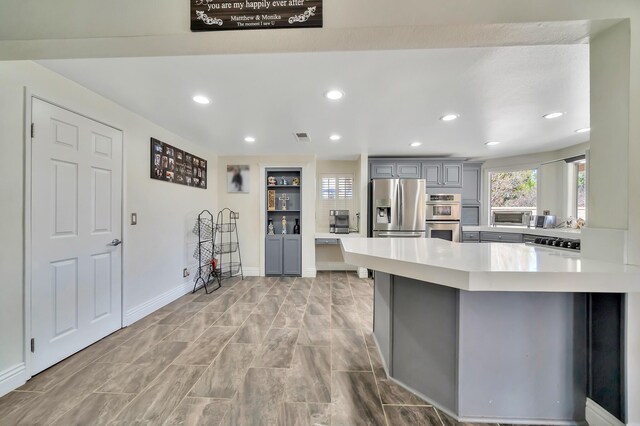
(220,15)
(176,166)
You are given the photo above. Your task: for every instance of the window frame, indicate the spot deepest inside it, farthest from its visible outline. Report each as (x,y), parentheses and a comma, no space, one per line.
(486,186)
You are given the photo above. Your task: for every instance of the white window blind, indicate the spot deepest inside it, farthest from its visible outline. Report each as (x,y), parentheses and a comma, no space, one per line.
(337,187)
(336,193)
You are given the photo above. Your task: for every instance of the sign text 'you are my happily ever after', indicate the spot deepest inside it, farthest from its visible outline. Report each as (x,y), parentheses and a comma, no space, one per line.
(219,15)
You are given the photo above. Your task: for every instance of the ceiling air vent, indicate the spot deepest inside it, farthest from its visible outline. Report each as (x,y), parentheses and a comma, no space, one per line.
(302,137)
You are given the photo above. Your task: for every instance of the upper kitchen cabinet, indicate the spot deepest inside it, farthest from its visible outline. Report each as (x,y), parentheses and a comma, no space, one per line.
(472,183)
(442,174)
(437,173)
(395,169)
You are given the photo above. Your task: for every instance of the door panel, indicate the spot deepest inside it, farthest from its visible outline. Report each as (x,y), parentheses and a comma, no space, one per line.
(383,170)
(408,170)
(431,173)
(452,174)
(413,204)
(76,212)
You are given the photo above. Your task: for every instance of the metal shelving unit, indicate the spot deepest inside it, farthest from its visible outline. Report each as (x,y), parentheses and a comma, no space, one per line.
(227,245)
(204,252)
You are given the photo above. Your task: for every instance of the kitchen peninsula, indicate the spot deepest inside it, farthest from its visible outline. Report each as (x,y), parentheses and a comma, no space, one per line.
(487,332)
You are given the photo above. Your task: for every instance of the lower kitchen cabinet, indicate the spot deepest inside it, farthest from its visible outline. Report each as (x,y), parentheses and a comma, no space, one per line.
(283,255)
(273,255)
(500,237)
(291,259)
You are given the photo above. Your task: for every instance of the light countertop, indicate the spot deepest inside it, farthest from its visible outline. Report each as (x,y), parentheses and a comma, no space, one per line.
(554,232)
(490,266)
(337,236)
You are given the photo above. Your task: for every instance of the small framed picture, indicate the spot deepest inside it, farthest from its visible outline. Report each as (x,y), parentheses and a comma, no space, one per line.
(238,178)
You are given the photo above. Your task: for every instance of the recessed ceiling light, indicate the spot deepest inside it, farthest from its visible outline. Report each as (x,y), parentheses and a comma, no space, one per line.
(335,137)
(203,100)
(553,115)
(449,117)
(415,144)
(250,139)
(492,143)
(334,95)
(586,129)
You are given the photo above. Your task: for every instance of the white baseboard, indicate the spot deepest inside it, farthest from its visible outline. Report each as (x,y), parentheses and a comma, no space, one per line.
(598,416)
(309,273)
(251,271)
(12,378)
(334,266)
(136,313)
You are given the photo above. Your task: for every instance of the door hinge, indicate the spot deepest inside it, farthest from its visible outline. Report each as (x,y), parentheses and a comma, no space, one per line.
(33,345)
(33,130)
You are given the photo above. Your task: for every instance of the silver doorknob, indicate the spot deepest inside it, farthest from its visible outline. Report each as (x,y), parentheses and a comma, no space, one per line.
(116,242)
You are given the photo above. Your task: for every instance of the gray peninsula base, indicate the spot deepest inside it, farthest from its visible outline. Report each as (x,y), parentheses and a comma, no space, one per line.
(505,357)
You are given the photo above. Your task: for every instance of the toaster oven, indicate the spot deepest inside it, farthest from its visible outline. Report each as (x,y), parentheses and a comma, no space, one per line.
(511,218)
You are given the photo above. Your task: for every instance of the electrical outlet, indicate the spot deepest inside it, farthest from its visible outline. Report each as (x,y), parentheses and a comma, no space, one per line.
(185,272)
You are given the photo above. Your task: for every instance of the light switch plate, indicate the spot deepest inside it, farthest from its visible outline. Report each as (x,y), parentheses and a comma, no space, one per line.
(134,218)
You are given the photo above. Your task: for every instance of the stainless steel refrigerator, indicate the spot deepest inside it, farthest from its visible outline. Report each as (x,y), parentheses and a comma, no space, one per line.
(399,208)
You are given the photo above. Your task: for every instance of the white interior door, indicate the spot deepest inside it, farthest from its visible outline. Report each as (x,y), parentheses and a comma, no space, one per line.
(76,214)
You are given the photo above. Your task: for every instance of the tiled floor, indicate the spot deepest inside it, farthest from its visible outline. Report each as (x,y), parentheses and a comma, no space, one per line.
(262,351)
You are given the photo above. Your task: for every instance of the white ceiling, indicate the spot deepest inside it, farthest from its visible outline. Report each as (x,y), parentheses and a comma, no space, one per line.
(392,99)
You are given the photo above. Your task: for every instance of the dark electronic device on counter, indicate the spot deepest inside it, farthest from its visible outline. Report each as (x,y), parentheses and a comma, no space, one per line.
(545,221)
(339,221)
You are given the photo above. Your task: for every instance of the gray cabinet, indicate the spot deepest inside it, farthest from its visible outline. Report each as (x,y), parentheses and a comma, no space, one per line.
(438,173)
(500,237)
(383,170)
(291,258)
(283,255)
(470,215)
(408,170)
(471,193)
(431,172)
(452,174)
(395,169)
(273,255)
(442,174)
(472,183)
(470,237)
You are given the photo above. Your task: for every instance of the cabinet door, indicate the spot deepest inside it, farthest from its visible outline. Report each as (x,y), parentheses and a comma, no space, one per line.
(383,170)
(408,170)
(273,255)
(292,258)
(471,215)
(471,185)
(452,174)
(431,172)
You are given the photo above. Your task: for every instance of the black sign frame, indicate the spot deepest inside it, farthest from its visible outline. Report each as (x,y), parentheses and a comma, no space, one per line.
(220,15)
(173,165)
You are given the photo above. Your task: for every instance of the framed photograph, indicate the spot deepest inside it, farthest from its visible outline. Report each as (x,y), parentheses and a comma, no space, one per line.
(271,200)
(238,179)
(174,165)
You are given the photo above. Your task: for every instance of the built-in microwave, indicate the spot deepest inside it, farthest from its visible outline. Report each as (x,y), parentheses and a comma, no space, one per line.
(511,218)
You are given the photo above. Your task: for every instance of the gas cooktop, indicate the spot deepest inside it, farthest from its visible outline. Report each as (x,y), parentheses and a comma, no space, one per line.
(558,243)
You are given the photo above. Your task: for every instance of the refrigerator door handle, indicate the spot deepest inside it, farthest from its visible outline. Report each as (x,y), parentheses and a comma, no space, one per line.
(400,201)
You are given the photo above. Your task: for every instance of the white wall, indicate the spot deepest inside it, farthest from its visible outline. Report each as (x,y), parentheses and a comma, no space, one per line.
(250,224)
(154,252)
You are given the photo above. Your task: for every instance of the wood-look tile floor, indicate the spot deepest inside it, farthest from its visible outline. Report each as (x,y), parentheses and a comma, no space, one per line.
(259,351)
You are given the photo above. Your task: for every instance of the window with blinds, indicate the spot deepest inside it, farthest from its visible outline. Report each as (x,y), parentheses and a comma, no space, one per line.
(336,193)
(337,187)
